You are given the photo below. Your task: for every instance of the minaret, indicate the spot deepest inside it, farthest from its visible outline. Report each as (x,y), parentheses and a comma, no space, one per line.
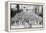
(17,7)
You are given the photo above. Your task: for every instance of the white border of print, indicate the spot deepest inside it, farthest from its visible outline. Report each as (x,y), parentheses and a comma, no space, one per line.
(18,2)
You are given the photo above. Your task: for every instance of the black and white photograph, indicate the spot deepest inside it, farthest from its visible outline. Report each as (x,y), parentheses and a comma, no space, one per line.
(26,16)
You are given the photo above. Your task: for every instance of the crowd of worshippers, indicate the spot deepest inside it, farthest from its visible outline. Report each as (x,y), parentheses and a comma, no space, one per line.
(24,22)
